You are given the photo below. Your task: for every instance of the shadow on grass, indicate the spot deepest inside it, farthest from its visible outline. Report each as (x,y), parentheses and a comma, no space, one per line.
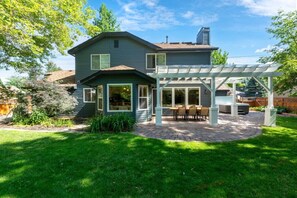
(67,164)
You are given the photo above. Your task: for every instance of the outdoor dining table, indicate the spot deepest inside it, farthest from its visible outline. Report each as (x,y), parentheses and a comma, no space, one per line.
(175,110)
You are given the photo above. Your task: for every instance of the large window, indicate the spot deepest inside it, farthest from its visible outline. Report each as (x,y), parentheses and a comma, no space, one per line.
(153,59)
(100,61)
(89,95)
(180,96)
(119,97)
(193,96)
(142,97)
(167,97)
(100,97)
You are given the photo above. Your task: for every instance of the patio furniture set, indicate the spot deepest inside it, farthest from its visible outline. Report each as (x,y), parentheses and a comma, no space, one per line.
(196,112)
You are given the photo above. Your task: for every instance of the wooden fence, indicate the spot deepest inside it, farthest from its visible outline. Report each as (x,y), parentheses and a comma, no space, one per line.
(6,106)
(288,102)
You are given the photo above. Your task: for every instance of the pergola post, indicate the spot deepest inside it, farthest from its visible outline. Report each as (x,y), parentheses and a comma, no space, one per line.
(158,106)
(270,112)
(213,111)
(234,106)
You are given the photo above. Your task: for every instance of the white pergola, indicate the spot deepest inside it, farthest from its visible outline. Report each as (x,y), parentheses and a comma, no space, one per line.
(217,75)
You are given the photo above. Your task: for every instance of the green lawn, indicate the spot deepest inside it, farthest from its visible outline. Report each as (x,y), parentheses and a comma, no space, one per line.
(34,164)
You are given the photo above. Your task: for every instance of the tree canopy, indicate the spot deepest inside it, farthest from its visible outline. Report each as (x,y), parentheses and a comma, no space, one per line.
(32,30)
(105,21)
(284,29)
(219,57)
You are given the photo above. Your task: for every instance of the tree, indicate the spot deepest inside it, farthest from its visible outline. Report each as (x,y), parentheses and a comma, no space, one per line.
(51,67)
(219,57)
(284,29)
(31,30)
(106,21)
(17,81)
(47,97)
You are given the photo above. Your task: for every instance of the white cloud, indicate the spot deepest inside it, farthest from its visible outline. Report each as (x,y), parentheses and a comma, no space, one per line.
(188,15)
(198,20)
(264,49)
(243,60)
(268,7)
(203,20)
(145,15)
(150,3)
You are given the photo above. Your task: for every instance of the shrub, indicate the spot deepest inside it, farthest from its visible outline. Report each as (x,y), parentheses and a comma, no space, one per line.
(281,109)
(119,122)
(22,117)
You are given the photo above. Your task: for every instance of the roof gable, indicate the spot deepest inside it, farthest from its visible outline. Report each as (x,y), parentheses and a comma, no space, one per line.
(103,35)
(120,69)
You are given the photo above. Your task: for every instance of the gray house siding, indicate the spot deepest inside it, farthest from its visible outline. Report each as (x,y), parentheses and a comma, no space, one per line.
(83,109)
(188,58)
(133,54)
(129,53)
(139,115)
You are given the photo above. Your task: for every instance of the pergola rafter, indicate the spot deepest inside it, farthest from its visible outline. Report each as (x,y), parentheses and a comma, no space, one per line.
(217,74)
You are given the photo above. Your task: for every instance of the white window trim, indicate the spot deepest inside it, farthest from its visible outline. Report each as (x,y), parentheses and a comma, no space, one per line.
(186,95)
(99,62)
(99,98)
(84,98)
(147,97)
(155,59)
(131,85)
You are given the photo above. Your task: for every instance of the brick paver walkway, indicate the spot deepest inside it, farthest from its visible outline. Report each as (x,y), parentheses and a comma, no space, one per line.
(229,128)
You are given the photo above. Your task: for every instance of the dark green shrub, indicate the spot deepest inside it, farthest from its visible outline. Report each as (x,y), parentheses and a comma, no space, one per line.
(37,117)
(119,122)
(281,109)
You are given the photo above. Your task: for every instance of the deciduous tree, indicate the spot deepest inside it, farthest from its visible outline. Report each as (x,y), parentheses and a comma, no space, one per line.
(32,30)
(219,57)
(284,29)
(106,21)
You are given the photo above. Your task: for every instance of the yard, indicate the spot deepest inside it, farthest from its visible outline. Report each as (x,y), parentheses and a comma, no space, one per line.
(73,164)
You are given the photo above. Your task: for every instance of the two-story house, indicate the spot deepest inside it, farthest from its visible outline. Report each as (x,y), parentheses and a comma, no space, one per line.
(112,67)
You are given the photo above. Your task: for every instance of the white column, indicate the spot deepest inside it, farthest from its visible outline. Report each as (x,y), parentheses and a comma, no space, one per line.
(158,106)
(213,111)
(234,106)
(270,112)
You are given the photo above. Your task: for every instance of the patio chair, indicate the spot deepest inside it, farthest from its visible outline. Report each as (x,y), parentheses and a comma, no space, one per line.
(193,112)
(204,113)
(181,111)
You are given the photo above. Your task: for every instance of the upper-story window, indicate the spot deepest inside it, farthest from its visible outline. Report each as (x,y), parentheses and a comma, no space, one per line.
(100,61)
(153,59)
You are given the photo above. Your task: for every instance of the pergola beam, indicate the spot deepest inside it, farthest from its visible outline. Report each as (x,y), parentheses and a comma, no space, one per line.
(184,73)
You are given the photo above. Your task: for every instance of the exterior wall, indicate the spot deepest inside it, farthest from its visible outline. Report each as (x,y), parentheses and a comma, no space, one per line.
(129,53)
(139,115)
(132,54)
(83,109)
(188,58)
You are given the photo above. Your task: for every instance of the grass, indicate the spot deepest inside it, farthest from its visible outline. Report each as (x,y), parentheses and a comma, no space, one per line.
(35,164)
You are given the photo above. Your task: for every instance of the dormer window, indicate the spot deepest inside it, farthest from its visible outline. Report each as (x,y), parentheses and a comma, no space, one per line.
(153,59)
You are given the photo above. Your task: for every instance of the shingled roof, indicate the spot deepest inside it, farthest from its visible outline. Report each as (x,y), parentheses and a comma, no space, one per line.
(63,77)
(184,46)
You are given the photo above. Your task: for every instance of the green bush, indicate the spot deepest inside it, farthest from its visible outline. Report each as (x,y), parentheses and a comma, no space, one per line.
(260,108)
(119,122)
(57,123)
(281,110)
(35,118)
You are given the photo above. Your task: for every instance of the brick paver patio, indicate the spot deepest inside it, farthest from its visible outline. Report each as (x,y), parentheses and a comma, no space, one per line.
(229,128)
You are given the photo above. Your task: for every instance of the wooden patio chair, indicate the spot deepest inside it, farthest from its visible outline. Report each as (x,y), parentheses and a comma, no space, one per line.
(181,111)
(204,113)
(193,112)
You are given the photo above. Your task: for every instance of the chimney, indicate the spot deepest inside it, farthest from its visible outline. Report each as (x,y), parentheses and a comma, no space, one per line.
(203,37)
(166,39)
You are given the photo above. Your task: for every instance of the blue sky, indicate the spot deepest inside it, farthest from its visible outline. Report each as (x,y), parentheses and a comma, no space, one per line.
(237,26)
